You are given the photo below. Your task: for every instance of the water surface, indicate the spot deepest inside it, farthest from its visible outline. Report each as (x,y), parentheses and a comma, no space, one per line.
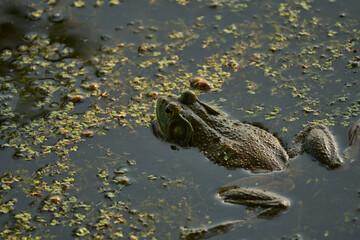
(72,66)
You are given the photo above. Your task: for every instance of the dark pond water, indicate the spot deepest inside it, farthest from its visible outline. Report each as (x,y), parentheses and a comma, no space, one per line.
(77,86)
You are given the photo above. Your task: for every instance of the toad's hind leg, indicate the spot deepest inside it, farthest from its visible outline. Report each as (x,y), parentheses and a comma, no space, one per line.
(271,203)
(319,142)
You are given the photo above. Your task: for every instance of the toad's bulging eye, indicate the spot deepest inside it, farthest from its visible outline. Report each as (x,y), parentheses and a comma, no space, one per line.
(169,112)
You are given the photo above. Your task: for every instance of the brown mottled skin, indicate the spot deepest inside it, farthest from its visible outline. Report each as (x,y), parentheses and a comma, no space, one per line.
(319,142)
(234,144)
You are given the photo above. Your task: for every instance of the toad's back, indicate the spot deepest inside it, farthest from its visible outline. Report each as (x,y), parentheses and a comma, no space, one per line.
(234,144)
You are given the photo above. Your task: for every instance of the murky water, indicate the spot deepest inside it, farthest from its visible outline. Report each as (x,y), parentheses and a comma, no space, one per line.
(68,67)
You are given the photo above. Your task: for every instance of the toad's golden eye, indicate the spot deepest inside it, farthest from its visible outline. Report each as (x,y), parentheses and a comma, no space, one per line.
(169,112)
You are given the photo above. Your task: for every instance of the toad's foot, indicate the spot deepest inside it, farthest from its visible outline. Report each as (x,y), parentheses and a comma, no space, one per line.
(271,203)
(208,232)
(256,198)
(319,142)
